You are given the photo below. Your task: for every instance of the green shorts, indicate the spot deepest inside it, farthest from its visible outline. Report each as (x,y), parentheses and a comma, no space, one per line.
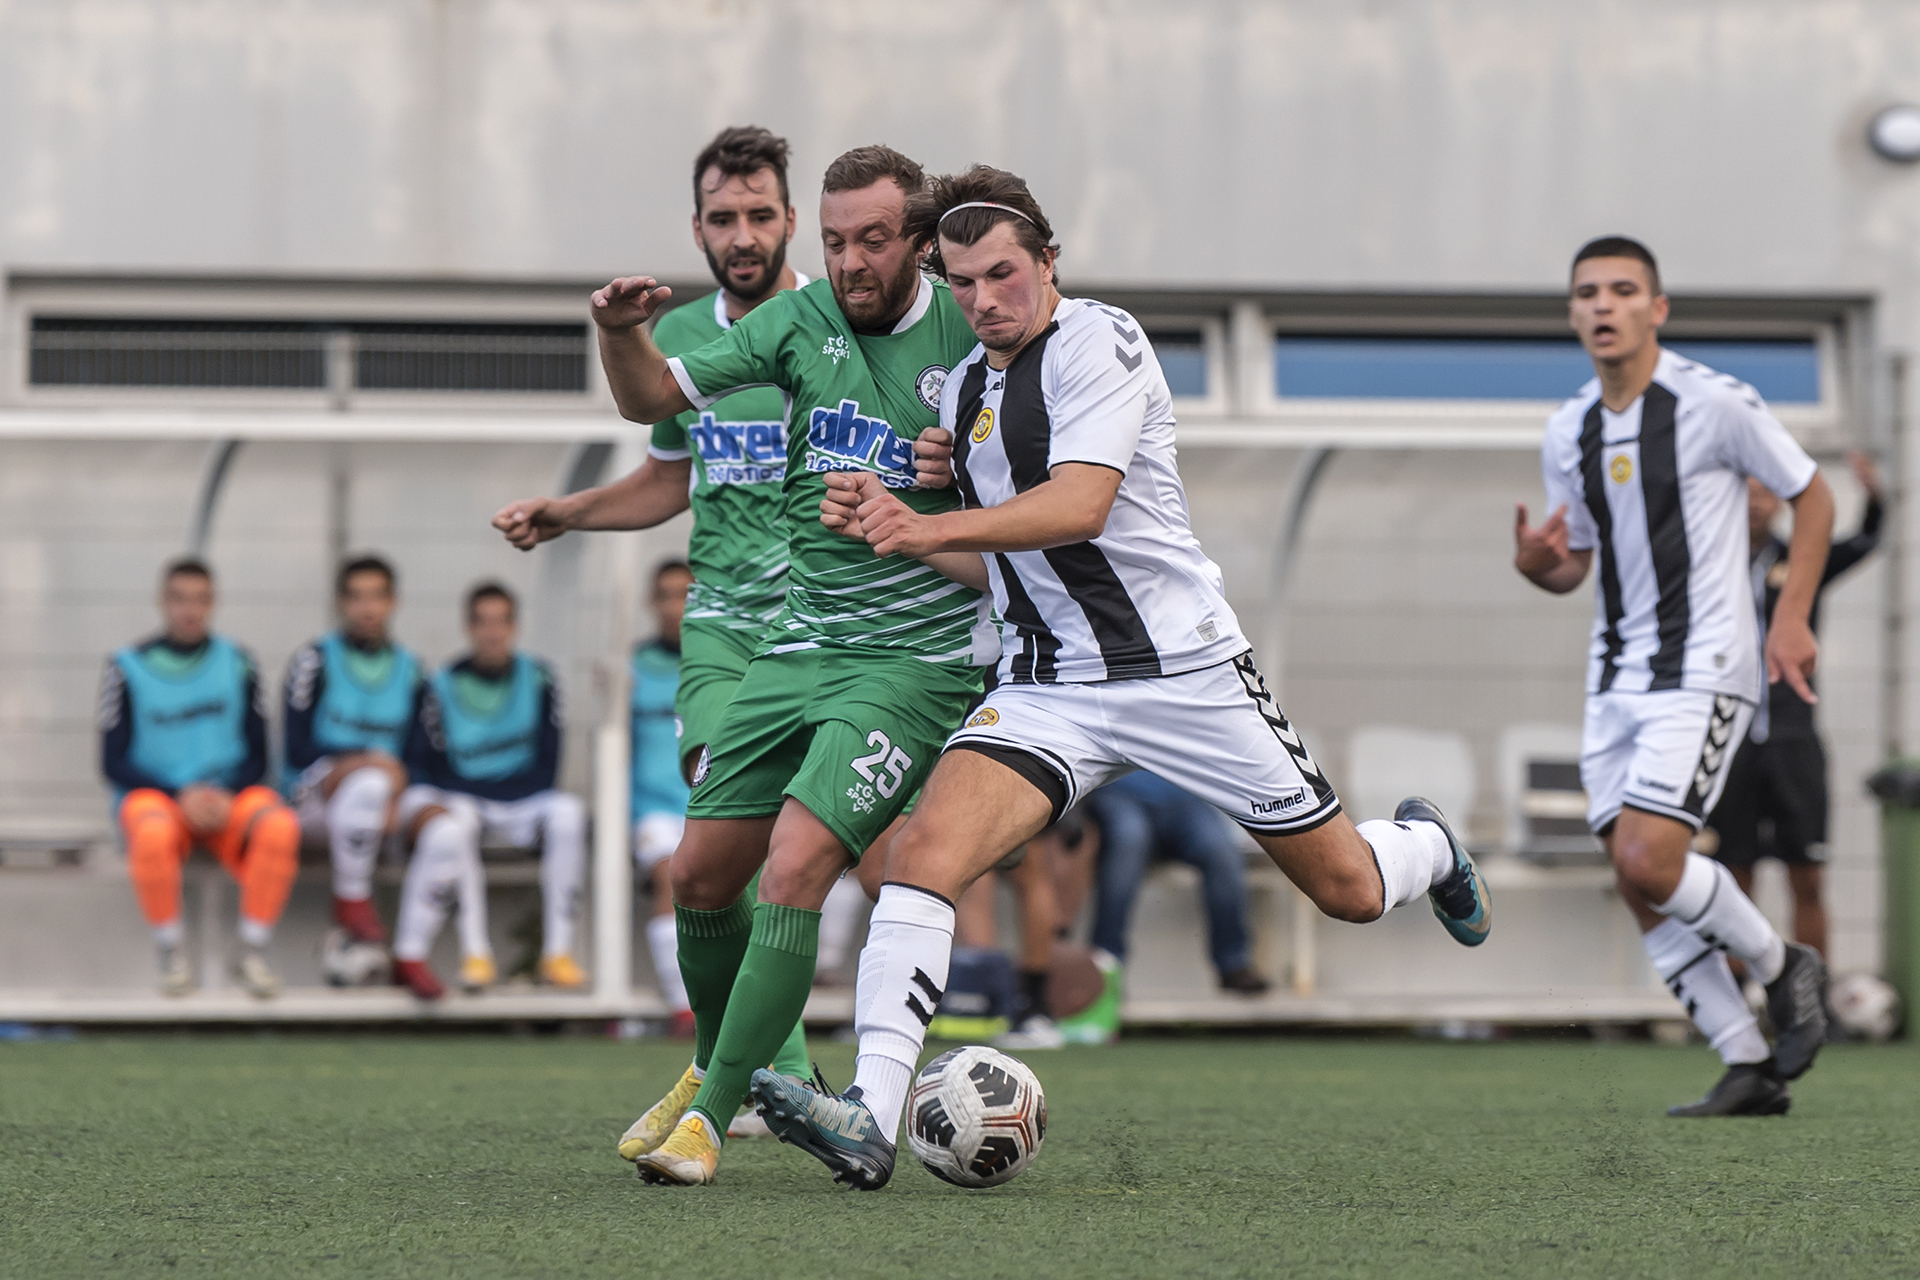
(850,734)
(713,658)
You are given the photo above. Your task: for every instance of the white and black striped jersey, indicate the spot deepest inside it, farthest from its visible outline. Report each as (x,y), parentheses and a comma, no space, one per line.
(1142,599)
(1661,490)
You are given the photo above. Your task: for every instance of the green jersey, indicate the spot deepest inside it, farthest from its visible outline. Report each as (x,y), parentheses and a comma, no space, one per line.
(855,402)
(738,549)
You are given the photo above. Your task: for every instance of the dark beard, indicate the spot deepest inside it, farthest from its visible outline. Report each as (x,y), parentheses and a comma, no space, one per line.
(879,317)
(763,287)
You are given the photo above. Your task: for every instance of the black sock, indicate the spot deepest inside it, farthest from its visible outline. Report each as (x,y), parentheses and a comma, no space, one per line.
(1033,995)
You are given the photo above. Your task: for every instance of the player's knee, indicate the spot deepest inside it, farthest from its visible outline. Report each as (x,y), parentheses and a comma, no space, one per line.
(1351,896)
(370,786)
(698,887)
(566,816)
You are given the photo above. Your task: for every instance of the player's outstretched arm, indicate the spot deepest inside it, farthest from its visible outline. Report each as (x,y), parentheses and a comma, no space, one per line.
(651,494)
(642,384)
(1542,555)
(1791,649)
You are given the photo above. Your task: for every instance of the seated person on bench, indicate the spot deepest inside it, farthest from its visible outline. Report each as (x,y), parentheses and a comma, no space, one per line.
(184,745)
(483,754)
(349,703)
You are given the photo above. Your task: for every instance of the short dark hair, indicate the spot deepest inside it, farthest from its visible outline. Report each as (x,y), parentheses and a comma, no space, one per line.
(363,564)
(186,567)
(930,213)
(864,166)
(672,564)
(739,151)
(1620,247)
(491,590)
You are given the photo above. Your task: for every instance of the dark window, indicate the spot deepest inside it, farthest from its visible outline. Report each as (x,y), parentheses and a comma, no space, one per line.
(470,357)
(1785,371)
(257,354)
(1183,359)
(176,353)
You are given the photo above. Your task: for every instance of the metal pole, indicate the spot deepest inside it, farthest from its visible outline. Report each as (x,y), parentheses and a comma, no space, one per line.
(612,865)
(213,481)
(1893,657)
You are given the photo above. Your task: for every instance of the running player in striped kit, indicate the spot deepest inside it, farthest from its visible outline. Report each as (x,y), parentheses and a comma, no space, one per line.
(1119,652)
(1649,464)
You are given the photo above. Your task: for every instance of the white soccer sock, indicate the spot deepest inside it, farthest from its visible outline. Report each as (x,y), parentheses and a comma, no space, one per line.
(255,933)
(563,864)
(1412,857)
(1700,980)
(356,824)
(903,973)
(1710,903)
(445,861)
(839,917)
(663,944)
(169,935)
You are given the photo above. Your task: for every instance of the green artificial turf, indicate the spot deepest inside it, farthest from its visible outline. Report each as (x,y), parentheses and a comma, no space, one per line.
(471,1156)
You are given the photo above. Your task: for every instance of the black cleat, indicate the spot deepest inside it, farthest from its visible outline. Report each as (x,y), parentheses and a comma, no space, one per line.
(836,1129)
(1461,902)
(1797,1003)
(1748,1089)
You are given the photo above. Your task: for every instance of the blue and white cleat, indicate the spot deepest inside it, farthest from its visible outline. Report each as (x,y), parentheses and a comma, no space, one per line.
(1461,901)
(836,1129)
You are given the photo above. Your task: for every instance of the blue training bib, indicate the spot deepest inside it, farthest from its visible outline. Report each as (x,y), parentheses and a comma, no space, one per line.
(354,716)
(188,727)
(657,785)
(488,743)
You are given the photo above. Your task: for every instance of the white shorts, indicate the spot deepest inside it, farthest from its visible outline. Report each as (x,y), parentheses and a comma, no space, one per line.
(1666,752)
(519,822)
(656,836)
(1215,732)
(307,800)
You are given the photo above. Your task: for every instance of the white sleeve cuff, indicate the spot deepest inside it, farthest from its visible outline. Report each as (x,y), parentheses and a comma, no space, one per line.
(691,392)
(668,455)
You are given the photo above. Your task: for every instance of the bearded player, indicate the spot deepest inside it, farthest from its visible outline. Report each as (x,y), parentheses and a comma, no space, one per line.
(727,463)
(1120,653)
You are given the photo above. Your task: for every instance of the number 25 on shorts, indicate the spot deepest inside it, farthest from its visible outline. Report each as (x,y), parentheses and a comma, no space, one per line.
(891,760)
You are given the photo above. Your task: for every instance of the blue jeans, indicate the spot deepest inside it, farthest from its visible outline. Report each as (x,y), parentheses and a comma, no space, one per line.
(1142,817)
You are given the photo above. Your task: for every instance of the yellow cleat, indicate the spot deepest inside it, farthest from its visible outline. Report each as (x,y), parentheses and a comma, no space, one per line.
(562,971)
(477,974)
(688,1158)
(653,1128)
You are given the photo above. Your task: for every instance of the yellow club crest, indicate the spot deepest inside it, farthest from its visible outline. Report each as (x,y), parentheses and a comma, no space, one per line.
(982,427)
(1621,468)
(986,715)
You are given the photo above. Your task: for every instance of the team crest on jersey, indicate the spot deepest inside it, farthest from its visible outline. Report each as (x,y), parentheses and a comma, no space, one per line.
(836,350)
(1621,468)
(844,439)
(929,384)
(983,718)
(982,426)
(703,766)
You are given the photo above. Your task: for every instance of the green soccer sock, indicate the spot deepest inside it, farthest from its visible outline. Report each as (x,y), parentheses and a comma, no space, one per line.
(765,1006)
(792,1060)
(712,945)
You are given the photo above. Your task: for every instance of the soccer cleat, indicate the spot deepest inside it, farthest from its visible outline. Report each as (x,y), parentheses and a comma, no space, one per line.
(653,1128)
(1748,1089)
(1099,1022)
(1797,1004)
(836,1129)
(1035,1031)
(418,977)
(477,973)
(1460,902)
(688,1158)
(1245,981)
(563,971)
(256,976)
(176,975)
(359,919)
(748,1124)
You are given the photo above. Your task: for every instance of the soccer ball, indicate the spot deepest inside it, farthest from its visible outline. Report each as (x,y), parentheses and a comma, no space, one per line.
(347,962)
(976,1117)
(1864,1006)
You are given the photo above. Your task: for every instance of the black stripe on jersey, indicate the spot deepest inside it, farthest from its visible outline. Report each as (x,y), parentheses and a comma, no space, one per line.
(973,389)
(1666,533)
(1125,645)
(1026,429)
(1593,481)
(1039,647)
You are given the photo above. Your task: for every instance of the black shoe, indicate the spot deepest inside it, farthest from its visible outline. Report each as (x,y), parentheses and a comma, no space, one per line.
(1246,981)
(1748,1089)
(1460,902)
(1797,1003)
